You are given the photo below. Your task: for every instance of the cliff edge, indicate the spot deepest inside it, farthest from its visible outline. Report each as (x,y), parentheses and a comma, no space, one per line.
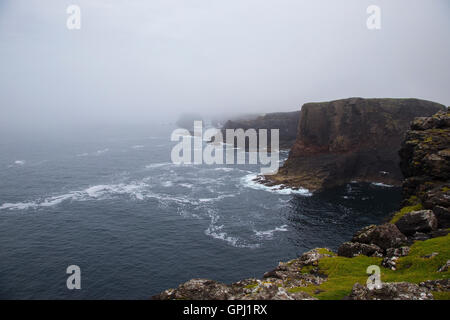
(350,140)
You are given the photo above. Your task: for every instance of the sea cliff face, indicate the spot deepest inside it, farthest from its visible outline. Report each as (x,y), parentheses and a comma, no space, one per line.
(350,140)
(412,251)
(285,122)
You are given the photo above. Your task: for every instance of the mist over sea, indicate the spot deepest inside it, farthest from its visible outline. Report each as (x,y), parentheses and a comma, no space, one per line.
(110,201)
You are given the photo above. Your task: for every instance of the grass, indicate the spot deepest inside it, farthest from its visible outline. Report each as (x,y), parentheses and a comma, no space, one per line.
(343,272)
(414,204)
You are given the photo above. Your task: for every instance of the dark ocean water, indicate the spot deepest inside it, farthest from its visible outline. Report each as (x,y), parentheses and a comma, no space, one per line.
(111,202)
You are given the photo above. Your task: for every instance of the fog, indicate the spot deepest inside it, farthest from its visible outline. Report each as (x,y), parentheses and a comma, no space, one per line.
(150,60)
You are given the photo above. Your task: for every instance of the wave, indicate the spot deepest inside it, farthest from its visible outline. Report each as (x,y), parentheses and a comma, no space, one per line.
(17,163)
(158,165)
(268,234)
(216,231)
(138,146)
(249,181)
(134,190)
(380,184)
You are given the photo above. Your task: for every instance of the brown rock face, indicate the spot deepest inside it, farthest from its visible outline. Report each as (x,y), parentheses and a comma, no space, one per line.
(351,139)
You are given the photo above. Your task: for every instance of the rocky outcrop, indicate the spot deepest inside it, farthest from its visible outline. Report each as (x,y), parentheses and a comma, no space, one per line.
(425,163)
(278,284)
(391,291)
(285,122)
(417,221)
(351,140)
(353,249)
(384,236)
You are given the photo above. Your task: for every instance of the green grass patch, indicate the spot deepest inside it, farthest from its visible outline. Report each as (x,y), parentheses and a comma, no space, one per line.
(406,210)
(343,272)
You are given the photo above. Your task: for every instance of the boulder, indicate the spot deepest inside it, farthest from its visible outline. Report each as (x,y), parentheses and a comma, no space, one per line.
(353,249)
(443,216)
(397,252)
(197,289)
(442,285)
(391,291)
(384,236)
(417,221)
(392,255)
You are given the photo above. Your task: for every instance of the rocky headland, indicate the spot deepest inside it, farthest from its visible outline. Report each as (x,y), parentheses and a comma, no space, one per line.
(350,140)
(411,251)
(285,122)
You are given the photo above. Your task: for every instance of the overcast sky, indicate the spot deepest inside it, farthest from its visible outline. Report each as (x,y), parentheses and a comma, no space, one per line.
(135,61)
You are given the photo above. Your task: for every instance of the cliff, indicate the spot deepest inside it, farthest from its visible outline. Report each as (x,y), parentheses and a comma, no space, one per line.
(412,251)
(285,122)
(350,140)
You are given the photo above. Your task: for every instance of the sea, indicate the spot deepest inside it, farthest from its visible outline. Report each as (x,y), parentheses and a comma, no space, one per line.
(109,200)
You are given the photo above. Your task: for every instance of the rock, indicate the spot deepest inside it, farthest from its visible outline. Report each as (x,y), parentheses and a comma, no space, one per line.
(311,257)
(397,252)
(197,289)
(392,255)
(285,122)
(417,221)
(391,291)
(431,255)
(420,236)
(443,216)
(249,289)
(425,162)
(442,285)
(390,263)
(445,267)
(439,233)
(353,249)
(350,140)
(384,236)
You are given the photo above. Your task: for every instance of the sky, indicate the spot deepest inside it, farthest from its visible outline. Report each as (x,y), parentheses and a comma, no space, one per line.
(138,61)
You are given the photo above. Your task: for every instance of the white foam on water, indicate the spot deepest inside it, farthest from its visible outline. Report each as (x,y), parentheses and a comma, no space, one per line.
(383,185)
(138,146)
(249,181)
(226,169)
(157,165)
(18,206)
(83,154)
(17,163)
(134,190)
(102,151)
(167,183)
(216,231)
(268,234)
